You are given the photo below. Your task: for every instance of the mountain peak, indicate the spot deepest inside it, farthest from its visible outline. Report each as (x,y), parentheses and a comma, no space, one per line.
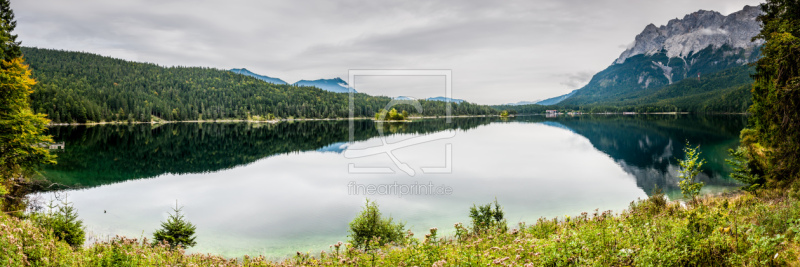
(696,31)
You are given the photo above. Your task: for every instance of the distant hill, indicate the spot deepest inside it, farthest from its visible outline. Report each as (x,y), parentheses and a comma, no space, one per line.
(268,79)
(336,85)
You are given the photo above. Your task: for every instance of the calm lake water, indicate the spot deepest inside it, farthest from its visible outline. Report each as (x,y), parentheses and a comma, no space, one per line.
(274,189)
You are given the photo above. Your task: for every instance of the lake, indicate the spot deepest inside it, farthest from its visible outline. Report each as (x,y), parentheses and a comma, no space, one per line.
(274,189)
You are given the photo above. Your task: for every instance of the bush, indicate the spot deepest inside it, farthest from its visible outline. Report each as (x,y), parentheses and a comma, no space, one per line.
(484,218)
(370,228)
(63,221)
(176,231)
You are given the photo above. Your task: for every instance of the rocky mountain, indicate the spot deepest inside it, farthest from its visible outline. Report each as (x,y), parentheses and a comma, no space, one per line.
(268,79)
(696,31)
(700,44)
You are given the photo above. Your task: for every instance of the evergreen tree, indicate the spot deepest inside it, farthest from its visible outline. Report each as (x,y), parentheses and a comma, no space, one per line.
(176,231)
(8,41)
(773,142)
(63,221)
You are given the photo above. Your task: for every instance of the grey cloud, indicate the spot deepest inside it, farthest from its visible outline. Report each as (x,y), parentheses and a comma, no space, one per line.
(576,80)
(499,52)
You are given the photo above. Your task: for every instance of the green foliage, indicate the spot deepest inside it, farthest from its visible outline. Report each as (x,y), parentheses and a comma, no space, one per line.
(504,113)
(396,116)
(776,93)
(381,114)
(370,229)
(391,115)
(487,218)
(62,220)
(21,130)
(744,169)
(176,231)
(691,166)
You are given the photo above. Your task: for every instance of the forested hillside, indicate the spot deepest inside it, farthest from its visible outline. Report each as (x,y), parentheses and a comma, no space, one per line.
(82,87)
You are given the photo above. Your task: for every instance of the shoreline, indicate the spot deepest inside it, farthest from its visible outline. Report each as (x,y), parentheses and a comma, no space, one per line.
(250,121)
(373,119)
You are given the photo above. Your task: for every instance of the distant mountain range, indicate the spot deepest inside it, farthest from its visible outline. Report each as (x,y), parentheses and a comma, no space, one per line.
(268,79)
(438,98)
(336,85)
(520,103)
(404,98)
(703,45)
(445,99)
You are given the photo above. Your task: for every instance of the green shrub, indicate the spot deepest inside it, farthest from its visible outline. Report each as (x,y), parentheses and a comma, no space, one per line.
(370,228)
(745,170)
(176,231)
(484,218)
(63,221)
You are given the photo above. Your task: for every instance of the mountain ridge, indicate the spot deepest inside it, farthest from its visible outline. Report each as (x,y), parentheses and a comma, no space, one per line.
(265,78)
(702,43)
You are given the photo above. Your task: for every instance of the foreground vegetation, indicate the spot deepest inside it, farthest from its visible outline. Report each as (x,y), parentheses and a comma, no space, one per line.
(742,229)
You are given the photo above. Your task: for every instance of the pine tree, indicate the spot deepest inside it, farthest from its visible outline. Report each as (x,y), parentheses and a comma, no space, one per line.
(8,41)
(63,221)
(176,231)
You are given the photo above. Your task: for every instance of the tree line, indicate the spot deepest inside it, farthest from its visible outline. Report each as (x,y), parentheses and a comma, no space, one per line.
(82,87)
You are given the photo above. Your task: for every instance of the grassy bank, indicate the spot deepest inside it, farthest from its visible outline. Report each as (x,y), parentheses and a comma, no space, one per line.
(740,230)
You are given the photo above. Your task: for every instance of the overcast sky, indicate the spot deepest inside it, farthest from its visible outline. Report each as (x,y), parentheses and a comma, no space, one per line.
(499,51)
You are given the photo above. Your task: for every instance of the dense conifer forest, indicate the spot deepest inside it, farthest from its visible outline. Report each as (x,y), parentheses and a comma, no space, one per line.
(82,87)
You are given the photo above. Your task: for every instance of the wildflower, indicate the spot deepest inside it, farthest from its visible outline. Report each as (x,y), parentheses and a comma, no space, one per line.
(500,261)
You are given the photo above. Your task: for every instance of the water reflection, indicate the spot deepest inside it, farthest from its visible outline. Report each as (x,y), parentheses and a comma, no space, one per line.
(277,189)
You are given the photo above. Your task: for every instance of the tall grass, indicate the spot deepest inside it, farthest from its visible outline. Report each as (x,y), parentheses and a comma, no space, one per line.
(738,230)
